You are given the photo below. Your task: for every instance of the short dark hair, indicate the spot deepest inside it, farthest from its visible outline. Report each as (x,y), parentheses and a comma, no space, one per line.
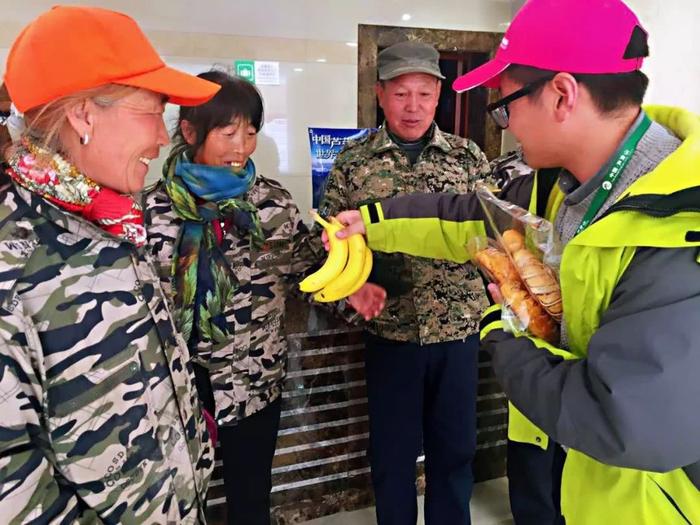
(610,92)
(237,98)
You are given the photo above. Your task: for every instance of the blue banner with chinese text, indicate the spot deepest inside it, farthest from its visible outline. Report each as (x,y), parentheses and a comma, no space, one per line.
(325,144)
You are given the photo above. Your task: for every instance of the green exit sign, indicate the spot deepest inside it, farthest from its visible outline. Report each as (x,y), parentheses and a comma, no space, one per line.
(246,69)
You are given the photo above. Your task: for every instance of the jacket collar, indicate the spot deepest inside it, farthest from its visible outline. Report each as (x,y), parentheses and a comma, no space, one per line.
(77,226)
(661,208)
(681,169)
(381,141)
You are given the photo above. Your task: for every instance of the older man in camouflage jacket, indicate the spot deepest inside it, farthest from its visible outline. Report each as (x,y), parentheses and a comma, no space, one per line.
(421,359)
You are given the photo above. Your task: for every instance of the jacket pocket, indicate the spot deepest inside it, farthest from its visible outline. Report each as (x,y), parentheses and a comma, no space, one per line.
(102,431)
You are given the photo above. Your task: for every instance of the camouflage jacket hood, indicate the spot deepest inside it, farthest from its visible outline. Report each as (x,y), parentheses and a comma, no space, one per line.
(100,421)
(246,373)
(429,301)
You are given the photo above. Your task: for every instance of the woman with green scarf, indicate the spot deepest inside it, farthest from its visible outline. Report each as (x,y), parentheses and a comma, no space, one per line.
(230,244)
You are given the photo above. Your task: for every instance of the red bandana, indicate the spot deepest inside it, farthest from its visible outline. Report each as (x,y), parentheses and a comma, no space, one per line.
(61,183)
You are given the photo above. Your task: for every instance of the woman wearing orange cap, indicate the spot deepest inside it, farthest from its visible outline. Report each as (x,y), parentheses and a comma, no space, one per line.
(100,419)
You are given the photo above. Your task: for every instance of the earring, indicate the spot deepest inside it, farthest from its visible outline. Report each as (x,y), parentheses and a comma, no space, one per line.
(85,139)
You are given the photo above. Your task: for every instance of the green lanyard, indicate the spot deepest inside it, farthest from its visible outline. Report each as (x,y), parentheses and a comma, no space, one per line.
(614,173)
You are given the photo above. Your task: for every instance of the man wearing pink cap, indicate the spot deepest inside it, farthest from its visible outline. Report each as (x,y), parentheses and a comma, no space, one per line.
(621,185)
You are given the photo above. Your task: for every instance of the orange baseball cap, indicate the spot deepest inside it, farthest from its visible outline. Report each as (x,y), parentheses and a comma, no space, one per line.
(69,49)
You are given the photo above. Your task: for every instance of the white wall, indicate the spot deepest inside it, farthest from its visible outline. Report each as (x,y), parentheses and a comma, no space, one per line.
(322,95)
(674,64)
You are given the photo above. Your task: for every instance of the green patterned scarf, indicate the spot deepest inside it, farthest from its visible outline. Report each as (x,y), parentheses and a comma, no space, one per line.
(202,279)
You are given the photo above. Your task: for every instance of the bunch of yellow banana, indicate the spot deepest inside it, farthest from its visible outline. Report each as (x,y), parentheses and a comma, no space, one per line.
(346,269)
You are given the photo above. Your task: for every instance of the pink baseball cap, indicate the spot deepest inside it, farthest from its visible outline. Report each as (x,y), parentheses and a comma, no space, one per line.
(572,36)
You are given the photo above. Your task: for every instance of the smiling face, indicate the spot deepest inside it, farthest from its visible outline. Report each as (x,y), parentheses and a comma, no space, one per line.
(223,131)
(126,136)
(230,145)
(409,103)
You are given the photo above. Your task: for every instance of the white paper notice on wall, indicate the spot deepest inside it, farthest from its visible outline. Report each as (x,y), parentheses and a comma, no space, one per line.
(267,73)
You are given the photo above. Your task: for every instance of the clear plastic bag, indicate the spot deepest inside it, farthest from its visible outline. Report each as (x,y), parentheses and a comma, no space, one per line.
(521,256)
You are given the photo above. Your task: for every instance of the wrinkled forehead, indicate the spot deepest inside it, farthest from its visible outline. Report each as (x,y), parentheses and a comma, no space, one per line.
(144,100)
(412,81)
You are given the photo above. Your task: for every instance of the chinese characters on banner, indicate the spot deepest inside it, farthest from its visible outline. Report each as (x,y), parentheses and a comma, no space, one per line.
(325,144)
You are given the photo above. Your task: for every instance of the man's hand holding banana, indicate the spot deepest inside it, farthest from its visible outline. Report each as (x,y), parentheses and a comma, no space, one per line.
(345,272)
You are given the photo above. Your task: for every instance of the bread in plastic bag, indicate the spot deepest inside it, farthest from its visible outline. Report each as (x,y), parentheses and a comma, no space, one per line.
(522,257)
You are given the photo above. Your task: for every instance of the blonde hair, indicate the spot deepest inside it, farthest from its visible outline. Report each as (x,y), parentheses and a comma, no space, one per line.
(45,122)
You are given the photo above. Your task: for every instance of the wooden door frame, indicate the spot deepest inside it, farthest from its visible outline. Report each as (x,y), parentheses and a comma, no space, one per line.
(371,38)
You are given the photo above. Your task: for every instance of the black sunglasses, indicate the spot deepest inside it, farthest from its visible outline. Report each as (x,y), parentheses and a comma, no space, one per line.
(499,110)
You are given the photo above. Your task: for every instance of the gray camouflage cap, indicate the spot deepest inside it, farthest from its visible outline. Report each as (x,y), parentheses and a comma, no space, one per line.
(408,57)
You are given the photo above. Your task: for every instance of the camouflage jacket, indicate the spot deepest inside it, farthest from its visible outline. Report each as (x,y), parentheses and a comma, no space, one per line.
(508,166)
(247,373)
(100,422)
(429,300)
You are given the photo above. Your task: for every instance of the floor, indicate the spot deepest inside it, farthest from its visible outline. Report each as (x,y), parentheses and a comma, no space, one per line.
(489,506)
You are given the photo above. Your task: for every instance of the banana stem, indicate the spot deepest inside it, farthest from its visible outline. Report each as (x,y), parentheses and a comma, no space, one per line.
(320,219)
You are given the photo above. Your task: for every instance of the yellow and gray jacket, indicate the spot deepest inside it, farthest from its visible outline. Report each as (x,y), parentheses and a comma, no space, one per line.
(100,419)
(623,395)
(248,372)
